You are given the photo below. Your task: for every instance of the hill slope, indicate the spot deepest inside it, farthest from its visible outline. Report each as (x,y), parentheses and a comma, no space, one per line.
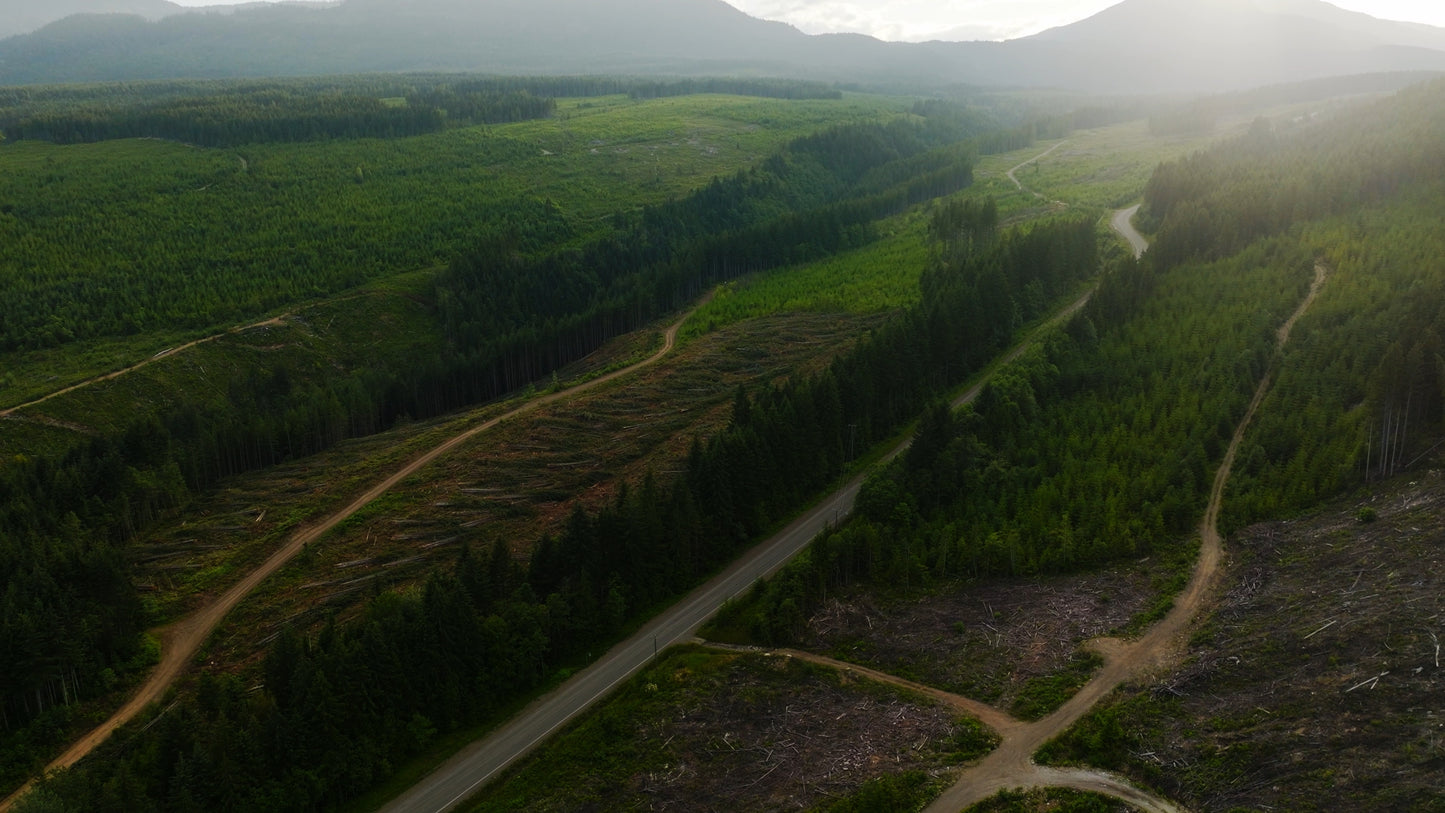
(25,16)
(1162,45)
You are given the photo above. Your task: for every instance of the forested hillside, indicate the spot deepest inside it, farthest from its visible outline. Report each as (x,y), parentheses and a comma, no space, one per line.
(226,113)
(1361,395)
(193,239)
(1100,446)
(992,559)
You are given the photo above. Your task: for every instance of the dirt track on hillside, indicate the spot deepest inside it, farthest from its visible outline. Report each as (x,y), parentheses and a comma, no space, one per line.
(1012,174)
(1011,765)
(181,640)
(275,321)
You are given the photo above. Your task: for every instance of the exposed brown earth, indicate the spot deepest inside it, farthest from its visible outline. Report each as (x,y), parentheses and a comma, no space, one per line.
(1316,684)
(518,481)
(985,641)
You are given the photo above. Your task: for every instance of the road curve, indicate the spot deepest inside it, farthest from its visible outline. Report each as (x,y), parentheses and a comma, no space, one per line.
(181,640)
(1123,223)
(466,772)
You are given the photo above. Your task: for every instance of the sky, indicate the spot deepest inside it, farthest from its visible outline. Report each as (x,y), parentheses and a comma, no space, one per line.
(916,20)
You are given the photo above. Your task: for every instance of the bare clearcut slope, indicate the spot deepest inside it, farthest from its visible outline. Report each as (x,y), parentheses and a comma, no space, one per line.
(180,641)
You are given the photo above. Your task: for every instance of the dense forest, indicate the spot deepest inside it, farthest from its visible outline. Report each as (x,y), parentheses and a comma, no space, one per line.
(338,711)
(511,320)
(232,113)
(1058,466)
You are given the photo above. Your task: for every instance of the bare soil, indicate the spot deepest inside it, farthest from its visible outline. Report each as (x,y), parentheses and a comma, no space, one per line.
(728,731)
(1318,684)
(984,641)
(790,740)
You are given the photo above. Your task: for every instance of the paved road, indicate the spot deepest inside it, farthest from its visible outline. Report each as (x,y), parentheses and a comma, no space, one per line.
(1123,223)
(463,774)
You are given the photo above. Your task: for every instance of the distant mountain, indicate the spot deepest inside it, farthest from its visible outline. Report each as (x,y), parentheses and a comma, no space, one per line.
(1229,44)
(513,36)
(1141,46)
(1222,21)
(24,16)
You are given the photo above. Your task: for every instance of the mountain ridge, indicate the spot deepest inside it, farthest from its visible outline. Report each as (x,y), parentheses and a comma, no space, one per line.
(1137,46)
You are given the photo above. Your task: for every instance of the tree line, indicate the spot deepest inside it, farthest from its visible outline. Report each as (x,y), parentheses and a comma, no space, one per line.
(229,114)
(511,319)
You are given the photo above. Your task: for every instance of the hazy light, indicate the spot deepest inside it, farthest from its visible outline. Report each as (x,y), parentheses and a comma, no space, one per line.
(993,19)
(973,19)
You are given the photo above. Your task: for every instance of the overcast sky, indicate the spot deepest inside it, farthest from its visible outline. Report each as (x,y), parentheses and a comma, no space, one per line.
(976,19)
(993,19)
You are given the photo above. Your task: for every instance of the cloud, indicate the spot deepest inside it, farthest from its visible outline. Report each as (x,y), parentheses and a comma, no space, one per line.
(918,20)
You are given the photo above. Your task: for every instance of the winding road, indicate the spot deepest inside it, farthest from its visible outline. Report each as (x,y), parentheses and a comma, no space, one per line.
(469,769)
(1123,223)
(181,640)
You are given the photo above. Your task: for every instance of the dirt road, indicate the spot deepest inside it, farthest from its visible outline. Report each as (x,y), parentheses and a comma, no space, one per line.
(181,640)
(1012,174)
(275,321)
(1011,765)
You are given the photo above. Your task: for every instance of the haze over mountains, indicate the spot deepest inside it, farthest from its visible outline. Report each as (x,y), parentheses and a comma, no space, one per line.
(1140,46)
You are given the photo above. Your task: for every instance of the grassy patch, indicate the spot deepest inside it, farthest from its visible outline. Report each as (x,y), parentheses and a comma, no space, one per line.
(881,276)
(1042,695)
(1049,800)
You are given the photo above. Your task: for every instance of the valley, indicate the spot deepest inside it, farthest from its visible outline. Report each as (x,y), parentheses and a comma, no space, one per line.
(433,441)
